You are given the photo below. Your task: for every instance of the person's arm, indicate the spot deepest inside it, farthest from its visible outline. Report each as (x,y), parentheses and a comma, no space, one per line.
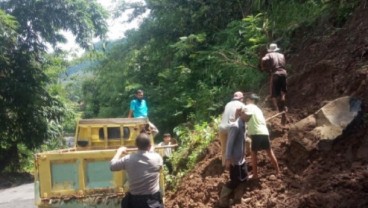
(265,63)
(116,163)
(130,113)
(131,109)
(146,107)
(237,113)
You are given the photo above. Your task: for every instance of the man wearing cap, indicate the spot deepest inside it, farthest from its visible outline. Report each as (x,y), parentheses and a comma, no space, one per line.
(274,63)
(235,156)
(228,116)
(258,132)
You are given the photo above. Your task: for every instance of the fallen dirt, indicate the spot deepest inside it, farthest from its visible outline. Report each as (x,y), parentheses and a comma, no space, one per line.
(333,179)
(330,63)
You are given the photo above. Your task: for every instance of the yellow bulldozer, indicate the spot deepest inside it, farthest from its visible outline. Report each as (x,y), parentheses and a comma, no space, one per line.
(80,176)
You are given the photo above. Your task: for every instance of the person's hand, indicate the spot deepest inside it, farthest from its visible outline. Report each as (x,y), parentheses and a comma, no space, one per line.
(119,152)
(152,148)
(122,150)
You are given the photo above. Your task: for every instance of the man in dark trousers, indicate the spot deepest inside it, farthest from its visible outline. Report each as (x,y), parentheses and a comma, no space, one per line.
(143,169)
(235,156)
(274,63)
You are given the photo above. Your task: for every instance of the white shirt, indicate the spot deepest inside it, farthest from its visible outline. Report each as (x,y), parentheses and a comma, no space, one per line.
(168,150)
(228,116)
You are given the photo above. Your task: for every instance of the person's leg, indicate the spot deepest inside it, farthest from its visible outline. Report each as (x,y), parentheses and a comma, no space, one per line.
(125,200)
(153,128)
(228,189)
(275,105)
(273,159)
(254,164)
(275,92)
(254,148)
(248,144)
(155,201)
(271,85)
(224,200)
(238,174)
(223,141)
(283,90)
(138,201)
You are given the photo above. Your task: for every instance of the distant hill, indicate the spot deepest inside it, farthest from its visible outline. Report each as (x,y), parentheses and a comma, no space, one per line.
(85,64)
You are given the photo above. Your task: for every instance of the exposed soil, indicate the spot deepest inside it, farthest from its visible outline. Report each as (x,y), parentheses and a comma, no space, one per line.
(325,65)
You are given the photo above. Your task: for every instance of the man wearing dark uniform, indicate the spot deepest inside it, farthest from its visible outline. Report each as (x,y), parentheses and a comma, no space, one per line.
(143,169)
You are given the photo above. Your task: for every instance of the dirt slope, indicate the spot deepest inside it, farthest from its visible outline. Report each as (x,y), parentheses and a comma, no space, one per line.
(325,65)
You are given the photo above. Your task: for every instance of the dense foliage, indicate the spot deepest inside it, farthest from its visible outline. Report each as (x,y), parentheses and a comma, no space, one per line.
(185,57)
(190,56)
(30,109)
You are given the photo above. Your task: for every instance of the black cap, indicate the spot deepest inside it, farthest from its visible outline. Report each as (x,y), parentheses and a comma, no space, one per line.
(253,96)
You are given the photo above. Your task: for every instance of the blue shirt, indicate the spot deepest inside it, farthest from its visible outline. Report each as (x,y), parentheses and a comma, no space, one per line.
(139,108)
(235,150)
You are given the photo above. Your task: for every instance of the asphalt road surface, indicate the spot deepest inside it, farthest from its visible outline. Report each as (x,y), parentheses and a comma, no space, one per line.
(20,196)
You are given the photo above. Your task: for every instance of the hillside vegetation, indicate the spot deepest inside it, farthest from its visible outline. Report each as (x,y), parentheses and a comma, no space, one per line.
(189,57)
(328,60)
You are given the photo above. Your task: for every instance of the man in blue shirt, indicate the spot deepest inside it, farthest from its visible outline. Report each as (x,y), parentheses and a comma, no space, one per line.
(138,106)
(139,109)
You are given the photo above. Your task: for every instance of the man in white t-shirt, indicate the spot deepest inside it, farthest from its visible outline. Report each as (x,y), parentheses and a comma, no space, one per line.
(168,151)
(228,116)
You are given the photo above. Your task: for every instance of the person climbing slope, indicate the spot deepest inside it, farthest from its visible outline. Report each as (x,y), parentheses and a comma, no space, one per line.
(274,63)
(229,116)
(259,134)
(235,156)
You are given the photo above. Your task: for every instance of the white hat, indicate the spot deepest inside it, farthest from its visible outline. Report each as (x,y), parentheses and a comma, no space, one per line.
(273,47)
(246,110)
(238,95)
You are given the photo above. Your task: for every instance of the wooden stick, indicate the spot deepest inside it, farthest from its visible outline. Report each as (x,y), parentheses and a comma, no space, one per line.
(277,114)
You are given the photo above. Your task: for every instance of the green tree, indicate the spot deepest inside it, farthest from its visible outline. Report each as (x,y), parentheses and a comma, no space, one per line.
(183,60)
(29,112)
(190,56)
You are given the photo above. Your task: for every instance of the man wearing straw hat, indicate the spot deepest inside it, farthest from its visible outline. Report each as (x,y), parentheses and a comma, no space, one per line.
(274,63)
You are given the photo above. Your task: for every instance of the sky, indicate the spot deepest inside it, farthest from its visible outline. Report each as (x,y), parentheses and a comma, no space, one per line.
(116,27)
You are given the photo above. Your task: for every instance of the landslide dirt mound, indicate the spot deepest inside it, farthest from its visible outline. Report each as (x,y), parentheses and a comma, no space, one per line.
(202,186)
(330,63)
